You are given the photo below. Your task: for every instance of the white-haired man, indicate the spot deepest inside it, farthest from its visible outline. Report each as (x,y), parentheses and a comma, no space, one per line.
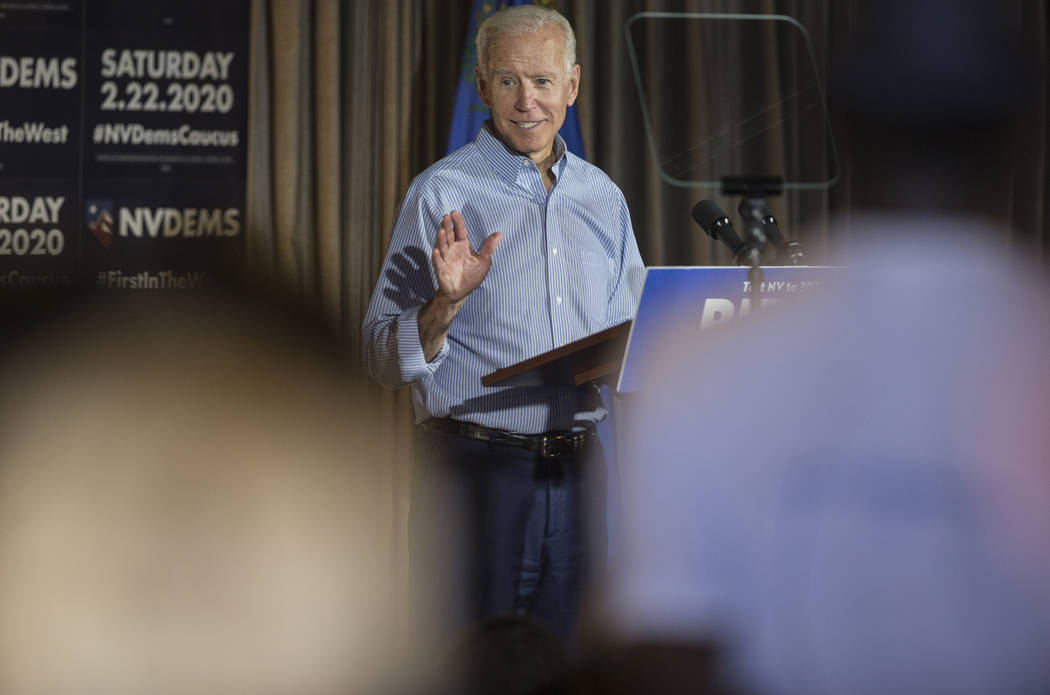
(512,462)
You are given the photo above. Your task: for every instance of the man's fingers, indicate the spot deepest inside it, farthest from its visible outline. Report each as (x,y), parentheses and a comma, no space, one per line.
(443,235)
(459,226)
(444,241)
(488,247)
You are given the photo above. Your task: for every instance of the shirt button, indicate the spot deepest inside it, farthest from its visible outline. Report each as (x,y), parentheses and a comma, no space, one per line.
(525,162)
(558,300)
(554,251)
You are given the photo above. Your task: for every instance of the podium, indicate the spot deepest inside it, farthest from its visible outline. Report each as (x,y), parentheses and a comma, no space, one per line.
(596,357)
(671,296)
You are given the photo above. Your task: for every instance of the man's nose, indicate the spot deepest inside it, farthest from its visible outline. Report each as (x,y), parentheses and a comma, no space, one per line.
(526,97)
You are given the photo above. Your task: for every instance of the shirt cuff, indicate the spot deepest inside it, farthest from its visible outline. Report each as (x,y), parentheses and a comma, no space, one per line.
(411,361)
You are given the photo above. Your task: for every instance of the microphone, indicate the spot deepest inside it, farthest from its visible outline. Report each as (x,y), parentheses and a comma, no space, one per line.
(716,225)
(763,227)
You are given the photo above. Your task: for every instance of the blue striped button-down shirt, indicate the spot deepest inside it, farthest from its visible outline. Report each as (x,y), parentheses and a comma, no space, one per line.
(567,266)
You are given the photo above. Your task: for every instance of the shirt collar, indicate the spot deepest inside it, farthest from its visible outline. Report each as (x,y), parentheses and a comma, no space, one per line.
(509,164)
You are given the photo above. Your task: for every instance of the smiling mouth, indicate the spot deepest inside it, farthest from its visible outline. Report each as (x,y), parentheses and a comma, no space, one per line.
(527,124)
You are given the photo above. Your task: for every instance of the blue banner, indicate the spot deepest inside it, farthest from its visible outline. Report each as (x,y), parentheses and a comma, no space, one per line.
(122,141)
(469,113)
(41,82)
(165,146)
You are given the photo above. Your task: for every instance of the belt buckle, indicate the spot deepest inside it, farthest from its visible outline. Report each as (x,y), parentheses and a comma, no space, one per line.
(552,445)
(545,446)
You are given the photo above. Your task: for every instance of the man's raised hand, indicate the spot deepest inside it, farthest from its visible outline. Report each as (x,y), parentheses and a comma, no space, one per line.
(458,269)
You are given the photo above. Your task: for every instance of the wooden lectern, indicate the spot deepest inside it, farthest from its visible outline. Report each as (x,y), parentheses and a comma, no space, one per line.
(593,358)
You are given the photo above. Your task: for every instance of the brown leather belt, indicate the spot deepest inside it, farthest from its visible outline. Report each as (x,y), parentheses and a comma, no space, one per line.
(548,445)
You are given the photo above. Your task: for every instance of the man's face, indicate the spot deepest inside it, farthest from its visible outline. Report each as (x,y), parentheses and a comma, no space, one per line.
(528,91)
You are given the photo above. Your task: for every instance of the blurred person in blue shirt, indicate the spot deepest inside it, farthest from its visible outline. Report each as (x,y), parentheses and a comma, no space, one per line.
(852,491)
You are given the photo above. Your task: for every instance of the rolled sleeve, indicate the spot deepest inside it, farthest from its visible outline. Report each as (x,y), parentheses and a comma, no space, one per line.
(411,362)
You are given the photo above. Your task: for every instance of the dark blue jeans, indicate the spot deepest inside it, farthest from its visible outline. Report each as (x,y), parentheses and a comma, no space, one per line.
(496,530)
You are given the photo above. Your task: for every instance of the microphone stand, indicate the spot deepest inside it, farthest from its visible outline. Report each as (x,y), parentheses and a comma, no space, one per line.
(755,189)
(754,278)
(762,231)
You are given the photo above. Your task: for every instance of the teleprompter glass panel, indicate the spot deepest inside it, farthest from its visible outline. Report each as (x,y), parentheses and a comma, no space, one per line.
(731,96)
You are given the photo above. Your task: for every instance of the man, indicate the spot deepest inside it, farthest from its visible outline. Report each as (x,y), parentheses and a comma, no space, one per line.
(555,261)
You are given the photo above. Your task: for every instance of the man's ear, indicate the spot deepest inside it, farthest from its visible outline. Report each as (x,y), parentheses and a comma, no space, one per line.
(574,83)
(483,87)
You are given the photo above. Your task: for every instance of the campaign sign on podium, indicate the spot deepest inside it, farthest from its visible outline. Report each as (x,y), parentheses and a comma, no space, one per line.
(708,296)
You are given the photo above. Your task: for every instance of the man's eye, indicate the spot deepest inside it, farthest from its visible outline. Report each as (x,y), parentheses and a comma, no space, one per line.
(543,82)
(506,82)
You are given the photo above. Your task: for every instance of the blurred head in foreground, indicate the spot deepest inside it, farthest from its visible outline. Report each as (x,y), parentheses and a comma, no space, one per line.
(190,504)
